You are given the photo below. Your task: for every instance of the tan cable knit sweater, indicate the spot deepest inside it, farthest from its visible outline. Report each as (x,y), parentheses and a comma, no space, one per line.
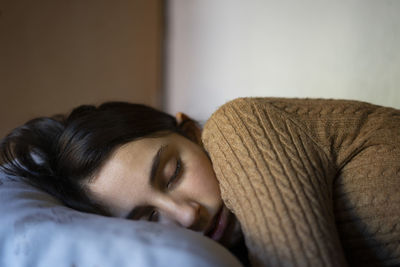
(313,182)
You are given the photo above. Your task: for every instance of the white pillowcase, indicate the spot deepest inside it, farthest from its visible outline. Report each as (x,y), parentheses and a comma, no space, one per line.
(36,230)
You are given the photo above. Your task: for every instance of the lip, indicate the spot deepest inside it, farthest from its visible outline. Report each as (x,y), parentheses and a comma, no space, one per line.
(218,224)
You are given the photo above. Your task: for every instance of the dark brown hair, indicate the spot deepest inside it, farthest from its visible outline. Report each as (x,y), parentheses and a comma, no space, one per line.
(58,153)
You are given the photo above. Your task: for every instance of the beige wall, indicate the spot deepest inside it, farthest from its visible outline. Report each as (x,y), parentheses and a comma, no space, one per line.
(219,50)
(55,55)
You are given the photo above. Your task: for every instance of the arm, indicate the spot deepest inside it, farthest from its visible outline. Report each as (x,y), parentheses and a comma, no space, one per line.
(278,182)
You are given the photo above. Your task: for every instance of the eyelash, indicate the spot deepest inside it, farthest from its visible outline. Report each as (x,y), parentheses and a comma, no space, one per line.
(153,216)
(170,185)
(175,176)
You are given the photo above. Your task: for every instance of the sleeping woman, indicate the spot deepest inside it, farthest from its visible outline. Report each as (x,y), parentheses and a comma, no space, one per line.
(277,181)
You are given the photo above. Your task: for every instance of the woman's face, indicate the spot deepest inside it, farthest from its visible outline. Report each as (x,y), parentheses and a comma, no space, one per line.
(166,179)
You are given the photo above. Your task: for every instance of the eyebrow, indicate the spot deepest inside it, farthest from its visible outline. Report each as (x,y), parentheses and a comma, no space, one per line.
(155,164)
(152,180)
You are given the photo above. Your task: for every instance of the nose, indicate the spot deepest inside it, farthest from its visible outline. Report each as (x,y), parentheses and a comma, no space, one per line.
(186,213)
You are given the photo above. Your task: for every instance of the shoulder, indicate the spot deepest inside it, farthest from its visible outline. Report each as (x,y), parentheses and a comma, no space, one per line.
(247,110)
(297,109)
(242,102)
(234,120)
(238,106)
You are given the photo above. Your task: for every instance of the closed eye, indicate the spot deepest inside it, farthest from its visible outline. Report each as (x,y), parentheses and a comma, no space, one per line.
(153,217)
(172,182)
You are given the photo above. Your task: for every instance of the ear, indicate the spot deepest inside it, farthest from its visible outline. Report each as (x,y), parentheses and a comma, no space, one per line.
(190,127)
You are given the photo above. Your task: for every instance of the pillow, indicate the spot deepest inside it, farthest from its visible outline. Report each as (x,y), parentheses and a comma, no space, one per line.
(36,230)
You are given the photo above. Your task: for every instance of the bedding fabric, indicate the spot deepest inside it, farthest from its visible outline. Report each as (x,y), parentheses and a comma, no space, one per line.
(36,230)
(312,182)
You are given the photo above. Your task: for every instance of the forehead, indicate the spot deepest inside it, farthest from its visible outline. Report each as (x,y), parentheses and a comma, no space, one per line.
(126,172)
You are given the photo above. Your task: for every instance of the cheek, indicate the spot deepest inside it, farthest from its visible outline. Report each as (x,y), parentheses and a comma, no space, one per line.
(203,180)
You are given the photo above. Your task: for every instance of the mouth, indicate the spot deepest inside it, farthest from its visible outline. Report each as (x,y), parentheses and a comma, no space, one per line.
(218,224)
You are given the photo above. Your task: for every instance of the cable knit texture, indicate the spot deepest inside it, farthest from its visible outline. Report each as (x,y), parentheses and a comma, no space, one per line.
(312,182)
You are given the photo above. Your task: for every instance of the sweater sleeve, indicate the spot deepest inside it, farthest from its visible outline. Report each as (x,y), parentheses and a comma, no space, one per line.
(363,143)
(277,179)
